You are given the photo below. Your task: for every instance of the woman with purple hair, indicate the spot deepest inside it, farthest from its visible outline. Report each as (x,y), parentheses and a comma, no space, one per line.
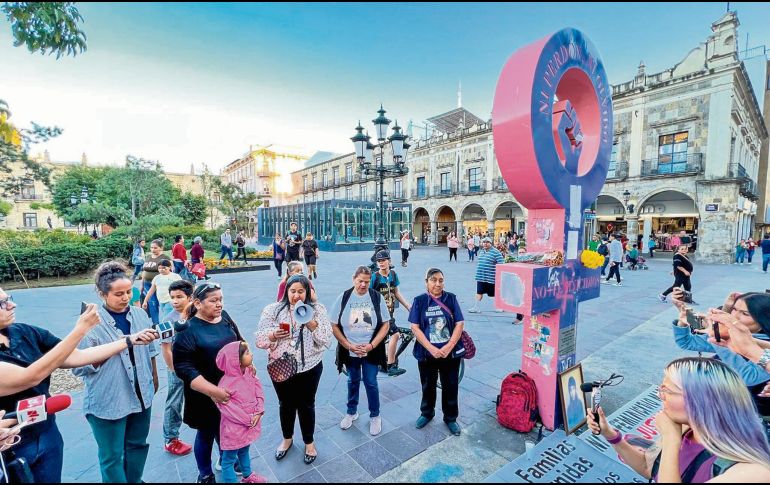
(710,430)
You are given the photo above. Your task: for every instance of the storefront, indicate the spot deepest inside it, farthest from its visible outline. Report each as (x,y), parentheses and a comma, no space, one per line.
(337,225)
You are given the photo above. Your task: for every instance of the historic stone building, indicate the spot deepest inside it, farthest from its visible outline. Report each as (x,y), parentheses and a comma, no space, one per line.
(265,172)
(685,162)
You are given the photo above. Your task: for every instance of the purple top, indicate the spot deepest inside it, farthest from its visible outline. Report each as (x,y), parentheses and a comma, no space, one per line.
(688,453)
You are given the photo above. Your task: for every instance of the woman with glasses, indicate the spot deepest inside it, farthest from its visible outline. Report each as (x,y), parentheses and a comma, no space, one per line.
(209,329)
(709,427)
(283,338)
(437,323)
(683,269)
(28,356)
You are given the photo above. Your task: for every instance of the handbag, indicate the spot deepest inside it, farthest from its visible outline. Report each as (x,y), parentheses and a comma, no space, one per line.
(469,350)
(286,366)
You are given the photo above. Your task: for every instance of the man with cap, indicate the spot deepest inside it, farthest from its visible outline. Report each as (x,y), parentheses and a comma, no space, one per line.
(385,281)
(489,258)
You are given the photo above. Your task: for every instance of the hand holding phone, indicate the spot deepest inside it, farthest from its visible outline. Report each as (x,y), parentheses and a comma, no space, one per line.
(83,307)
(285,327)
(694,320)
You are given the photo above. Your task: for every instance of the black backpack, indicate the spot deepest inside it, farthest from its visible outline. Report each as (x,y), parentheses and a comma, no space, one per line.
(603,250)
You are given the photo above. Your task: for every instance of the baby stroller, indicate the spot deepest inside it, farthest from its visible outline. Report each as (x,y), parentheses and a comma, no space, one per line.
(642,263)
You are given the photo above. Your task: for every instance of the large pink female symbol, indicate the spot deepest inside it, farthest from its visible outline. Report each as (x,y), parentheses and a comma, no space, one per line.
(552,125)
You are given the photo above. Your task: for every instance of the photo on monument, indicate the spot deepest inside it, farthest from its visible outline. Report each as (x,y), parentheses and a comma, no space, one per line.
(573,403)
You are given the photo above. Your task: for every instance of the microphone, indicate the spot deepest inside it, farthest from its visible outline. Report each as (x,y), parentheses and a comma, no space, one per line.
(595,388)
(36,409)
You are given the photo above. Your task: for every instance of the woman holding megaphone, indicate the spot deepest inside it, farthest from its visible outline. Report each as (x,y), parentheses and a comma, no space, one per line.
(296,332)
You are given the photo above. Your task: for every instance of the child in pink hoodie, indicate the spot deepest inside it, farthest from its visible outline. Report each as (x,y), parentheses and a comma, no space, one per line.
(242,415)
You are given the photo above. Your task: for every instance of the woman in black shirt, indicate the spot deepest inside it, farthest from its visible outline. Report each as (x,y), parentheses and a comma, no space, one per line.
(209,328)
(682,272)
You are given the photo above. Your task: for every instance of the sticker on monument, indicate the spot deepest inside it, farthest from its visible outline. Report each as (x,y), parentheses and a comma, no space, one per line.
(539,349)
(512,291)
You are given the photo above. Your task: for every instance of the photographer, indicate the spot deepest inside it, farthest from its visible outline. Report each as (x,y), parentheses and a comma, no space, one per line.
(748,310)
(722,442)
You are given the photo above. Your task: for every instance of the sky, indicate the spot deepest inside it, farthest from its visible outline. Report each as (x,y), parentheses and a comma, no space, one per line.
(199,83)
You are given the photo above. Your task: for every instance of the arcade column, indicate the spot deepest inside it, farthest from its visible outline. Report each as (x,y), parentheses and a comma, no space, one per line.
(491,229)
(632,230)
(433,240)
(460,229)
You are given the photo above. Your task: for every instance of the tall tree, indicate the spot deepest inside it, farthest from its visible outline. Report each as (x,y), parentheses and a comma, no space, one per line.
(47,27)
(192,209)
(239,205)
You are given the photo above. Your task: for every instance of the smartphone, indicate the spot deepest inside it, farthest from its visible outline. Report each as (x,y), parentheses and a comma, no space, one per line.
(686,296)
(83,307)
(717,335)
(285,327)
(695,321)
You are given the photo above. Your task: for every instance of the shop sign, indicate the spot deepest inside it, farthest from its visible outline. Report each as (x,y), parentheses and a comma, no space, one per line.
(712,207)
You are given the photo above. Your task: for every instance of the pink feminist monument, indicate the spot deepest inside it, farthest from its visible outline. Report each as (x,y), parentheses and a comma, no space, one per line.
(552,122)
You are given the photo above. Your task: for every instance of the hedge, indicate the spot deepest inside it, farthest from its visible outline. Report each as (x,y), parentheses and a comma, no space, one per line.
(168,233)
(61,260)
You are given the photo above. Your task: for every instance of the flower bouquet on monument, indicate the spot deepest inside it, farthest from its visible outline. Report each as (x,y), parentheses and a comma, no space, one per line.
(591,259)
(548,258)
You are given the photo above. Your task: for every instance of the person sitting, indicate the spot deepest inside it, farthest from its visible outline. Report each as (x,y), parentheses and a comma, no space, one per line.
(721,442)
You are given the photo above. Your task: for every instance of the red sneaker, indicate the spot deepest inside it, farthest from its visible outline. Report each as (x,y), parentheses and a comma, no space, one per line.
(254,478)
(178,448)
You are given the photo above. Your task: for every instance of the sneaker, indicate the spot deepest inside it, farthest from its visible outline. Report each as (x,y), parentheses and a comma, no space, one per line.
(375,426)
(498,310)
(618,284)
(422,422)
(474,310)
(206,479)
(395,371)
(662,298)
(315,274)
(454,428)
(347,421)
(254,478)
(178,448)
(310,277)
(605,282)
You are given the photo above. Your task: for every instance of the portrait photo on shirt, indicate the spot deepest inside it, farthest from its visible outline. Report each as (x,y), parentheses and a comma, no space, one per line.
(438,326)
(573,401)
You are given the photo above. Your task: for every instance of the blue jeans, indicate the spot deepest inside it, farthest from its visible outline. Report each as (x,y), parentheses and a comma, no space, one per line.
(356,367)
(750,254)
(44,454)
(229,457)
(137,271)
(604,267)
(178,266)
(164,310)
(740,256)
(228,252)
(122,446)
(153,306)
(471,254)
(204,445)
(172,419)
(765,262)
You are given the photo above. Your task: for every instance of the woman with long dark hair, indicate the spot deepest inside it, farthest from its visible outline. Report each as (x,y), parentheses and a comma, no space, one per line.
(305,344)
(683,269)
(209,328)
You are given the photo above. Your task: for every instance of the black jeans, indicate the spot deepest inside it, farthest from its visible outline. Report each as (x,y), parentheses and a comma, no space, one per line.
(404,255)
(241,250)
(680,279)
(449,371)
(296,396)
(452,254)
(614,270)
(204,445)
(278,266)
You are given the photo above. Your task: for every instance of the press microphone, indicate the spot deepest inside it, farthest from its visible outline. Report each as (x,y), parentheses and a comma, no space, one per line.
(595,388)
(36,409)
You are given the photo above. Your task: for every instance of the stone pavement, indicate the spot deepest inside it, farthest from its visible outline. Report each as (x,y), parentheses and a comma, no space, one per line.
(627,331)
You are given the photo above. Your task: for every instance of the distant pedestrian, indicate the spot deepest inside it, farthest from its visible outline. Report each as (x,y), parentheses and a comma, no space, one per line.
(651,245)
(178,253)
(765,252)
(406,246)
(683,269)
(615,258)
(751,247)
(137,258)
(453,243)
(240,242)
(489,258)
(196,251)
(604,250)
(471,248)
(309,252)
(594,244)
(161,285)
(151,263)
(226,242)
(293,243)
(279,254)
(476,243)
(633,257)
(740,252)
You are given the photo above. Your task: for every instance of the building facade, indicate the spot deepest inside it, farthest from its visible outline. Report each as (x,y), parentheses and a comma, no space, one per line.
(763,211)
(266,173)
(686,155)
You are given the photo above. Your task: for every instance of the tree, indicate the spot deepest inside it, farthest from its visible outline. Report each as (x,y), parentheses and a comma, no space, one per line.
(48,27)
(14,151)
(239,205)
(192,209)
(74,187)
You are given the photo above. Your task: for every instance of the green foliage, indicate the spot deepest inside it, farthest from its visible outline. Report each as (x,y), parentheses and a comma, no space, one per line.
(39,237)
(236,203)
(62,259)
(192,209)
(41,205)
(5,208)
(48,27)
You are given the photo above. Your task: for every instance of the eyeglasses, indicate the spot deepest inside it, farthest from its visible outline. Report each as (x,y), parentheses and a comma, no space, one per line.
(205,288)
(4,302)
(664,391)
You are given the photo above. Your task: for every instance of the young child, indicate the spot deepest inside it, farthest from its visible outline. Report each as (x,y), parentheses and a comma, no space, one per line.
(181,296)
(633,257)
(161,284)
(241,422)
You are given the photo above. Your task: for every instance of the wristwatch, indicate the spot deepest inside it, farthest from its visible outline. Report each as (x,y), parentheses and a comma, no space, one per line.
(765,359)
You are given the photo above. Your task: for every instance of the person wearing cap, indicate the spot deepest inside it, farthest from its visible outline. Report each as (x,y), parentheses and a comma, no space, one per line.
(386,282)
(489,258)
(310,253)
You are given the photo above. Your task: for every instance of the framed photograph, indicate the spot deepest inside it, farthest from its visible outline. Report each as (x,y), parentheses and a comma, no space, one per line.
(573,401)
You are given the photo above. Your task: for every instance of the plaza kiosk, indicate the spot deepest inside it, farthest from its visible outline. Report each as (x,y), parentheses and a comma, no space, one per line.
(552,128)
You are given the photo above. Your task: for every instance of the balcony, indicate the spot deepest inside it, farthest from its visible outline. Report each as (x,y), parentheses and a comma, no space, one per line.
(499,185)
(420,194)
(29,196)
(692,166)
(398,197)
(445,191)
(619,172)
(748,187)
(750,190)
(478,186)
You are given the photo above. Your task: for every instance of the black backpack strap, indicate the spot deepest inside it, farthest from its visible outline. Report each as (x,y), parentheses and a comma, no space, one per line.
(655,468)
(231,323)
(694,467)
(376,301)
(345,300)
(721,466)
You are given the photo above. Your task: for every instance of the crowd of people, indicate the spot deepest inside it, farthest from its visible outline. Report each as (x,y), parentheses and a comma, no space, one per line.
(214,387)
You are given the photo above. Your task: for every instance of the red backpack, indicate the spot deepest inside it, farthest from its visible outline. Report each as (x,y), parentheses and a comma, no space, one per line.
(517,403)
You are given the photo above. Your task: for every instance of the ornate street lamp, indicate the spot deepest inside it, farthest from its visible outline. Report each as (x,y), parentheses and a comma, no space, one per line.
(364,155)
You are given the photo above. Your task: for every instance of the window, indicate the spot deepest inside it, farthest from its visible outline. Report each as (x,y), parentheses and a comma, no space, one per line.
(28,191)
(30,220)
(336,194)
(672,153)
(446,184)
(304,183)
(398,190)
(325,178)
(420,186)
(336,176)
(315,181)
(349,172)
(612,172)
(363,192)
(474,179)
(348,193)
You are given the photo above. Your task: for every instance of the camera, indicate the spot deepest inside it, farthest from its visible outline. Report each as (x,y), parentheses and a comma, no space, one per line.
(687,296)
(695,321)
(165,329)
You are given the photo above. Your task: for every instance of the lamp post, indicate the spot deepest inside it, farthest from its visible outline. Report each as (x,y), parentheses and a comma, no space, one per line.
(632,220)
(364,152)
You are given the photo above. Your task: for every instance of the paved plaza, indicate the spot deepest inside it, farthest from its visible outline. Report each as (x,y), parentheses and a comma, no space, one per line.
(626,331)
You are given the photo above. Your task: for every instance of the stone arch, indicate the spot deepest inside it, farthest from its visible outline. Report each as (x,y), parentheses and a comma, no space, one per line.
(657,195)
(473,210)
(516,210)
(446,222)
(670,213)
(420,223)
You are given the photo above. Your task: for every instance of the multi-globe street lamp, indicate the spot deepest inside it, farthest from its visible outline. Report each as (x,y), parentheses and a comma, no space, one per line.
(364,153)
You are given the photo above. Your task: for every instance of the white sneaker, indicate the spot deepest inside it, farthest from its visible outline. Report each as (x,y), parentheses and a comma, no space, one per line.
(499,311)
(474,310)
(347,421)
(605,282)
(375,426)
(618,284)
